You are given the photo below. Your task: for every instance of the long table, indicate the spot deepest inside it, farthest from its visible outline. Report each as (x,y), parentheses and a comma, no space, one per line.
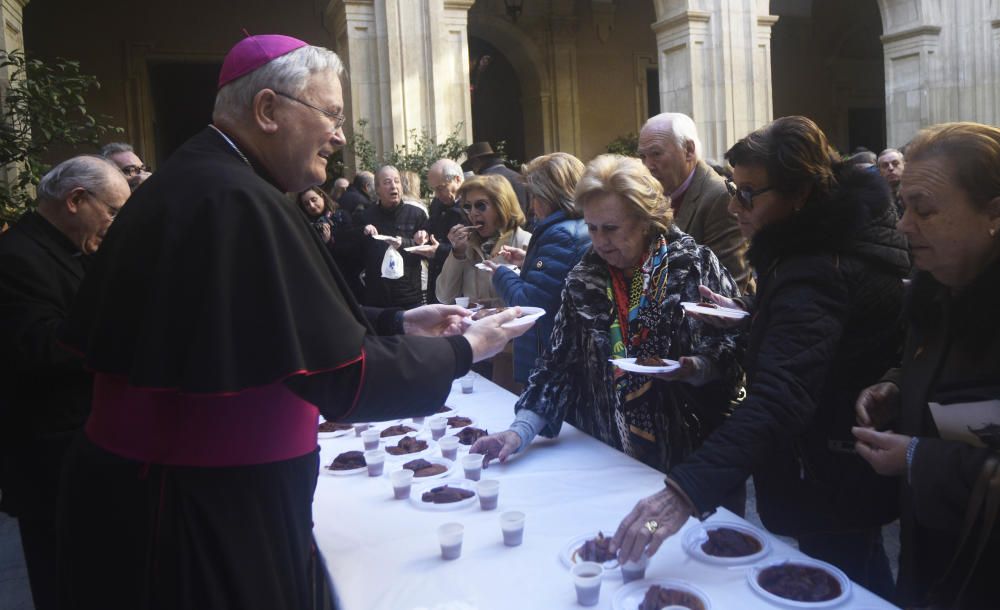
(383,554)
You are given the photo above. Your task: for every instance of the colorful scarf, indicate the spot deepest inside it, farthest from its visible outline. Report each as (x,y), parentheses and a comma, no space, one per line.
(633,332)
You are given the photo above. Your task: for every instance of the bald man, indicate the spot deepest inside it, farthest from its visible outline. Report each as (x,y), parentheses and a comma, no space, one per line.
(670,148)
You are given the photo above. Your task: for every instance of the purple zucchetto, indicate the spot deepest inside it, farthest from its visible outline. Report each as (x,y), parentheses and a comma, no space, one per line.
(253,52)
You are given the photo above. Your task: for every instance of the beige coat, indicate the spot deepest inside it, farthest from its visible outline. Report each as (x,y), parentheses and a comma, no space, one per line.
(460,277)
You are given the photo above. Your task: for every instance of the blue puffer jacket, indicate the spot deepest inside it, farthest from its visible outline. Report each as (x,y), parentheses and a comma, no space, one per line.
(557,244)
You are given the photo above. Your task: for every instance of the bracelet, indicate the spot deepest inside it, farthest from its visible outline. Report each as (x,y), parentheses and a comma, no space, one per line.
(911,450)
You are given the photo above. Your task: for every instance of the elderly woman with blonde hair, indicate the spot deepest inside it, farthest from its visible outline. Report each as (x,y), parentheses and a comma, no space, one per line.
(558,242)
(496,219)
(623,300)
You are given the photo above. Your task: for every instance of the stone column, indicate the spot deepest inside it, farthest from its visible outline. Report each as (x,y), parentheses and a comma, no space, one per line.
(11,39)
(911,63)
(408,65)
(714,61)
(563,70)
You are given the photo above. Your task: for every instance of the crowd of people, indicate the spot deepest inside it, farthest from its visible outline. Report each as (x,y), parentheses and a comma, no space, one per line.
(165,361)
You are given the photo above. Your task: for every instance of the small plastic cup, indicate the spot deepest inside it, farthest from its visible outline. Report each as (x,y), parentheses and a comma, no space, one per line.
(462,302)
(450,538)
(438,427)
(488,491)
(635,570)
(512,526)
(467,382)
(375,459)
(370,437)
(449,447)
(587,577)
(472,464)
(359,428)
(418,421)
(402,482)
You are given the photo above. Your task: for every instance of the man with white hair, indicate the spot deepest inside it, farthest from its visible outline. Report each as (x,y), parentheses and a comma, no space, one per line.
(218,328)
(46,391)
(670,148)
(445,177)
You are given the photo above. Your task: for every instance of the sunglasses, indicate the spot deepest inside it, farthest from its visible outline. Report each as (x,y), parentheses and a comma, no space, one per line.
(745,196)
(480,206)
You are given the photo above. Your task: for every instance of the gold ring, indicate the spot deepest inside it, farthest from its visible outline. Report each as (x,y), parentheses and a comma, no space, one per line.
(651,526)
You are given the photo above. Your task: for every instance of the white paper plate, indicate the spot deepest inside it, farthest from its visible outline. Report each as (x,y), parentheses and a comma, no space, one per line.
(383,237)
(528,316)
(631,595)
(406,457)
(694,537)
(433,460)
(845,583)
(514,268)
(418,492)
(720,312)
(342,473)
(628,364)
(569,558)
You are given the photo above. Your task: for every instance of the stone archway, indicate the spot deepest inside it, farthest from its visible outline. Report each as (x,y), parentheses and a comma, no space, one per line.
(528,62)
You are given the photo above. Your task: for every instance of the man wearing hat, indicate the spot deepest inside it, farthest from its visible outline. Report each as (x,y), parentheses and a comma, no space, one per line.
(482,160)
(218,328)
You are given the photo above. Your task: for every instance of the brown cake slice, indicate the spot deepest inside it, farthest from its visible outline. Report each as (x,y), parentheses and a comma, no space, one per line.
(349,460)
(407,444)
(596,549)
(799,582)
(487,312)
(658,597)
(457,421)
(423,468)
(446,495)
(727,542)
(470,435)
(396,431)
(650,361)
(332,426)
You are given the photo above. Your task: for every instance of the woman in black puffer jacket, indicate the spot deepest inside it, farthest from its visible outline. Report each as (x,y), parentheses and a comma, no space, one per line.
(825,320)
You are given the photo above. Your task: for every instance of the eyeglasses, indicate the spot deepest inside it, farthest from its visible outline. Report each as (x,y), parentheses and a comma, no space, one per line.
(480,206)
(745,196)
(134,170)
(112,210)
(338,119)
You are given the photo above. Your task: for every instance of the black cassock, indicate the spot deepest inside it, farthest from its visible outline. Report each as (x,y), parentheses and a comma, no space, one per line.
(214,319)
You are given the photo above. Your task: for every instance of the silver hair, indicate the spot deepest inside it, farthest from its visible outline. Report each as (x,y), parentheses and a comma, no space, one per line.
(890,150)
(450,169)
(677,126)
(288,74)
(386,168)
(114,148)
(89,172)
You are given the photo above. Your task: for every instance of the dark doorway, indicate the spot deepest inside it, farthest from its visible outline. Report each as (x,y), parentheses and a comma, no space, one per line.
(496,99)
(183,97)
(827,64)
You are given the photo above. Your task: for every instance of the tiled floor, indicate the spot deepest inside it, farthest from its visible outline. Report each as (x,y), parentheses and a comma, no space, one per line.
(14,591)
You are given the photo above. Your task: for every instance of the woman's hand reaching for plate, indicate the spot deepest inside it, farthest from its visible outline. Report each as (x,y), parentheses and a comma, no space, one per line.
(696,370)
(514,256)
(722,301)
(497,446)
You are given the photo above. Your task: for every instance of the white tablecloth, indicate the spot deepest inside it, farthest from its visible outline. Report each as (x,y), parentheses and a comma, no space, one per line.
(383,553)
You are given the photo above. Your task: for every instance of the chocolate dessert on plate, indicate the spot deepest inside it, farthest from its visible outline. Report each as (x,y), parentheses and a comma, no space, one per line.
(332,426)
(470,435)
(727,542)
(446,495)
(407,444)
(651,361)
(396,431)
(457,421)
(800,583)
(423,468)
(658,597)
(349,460)
(596,549)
